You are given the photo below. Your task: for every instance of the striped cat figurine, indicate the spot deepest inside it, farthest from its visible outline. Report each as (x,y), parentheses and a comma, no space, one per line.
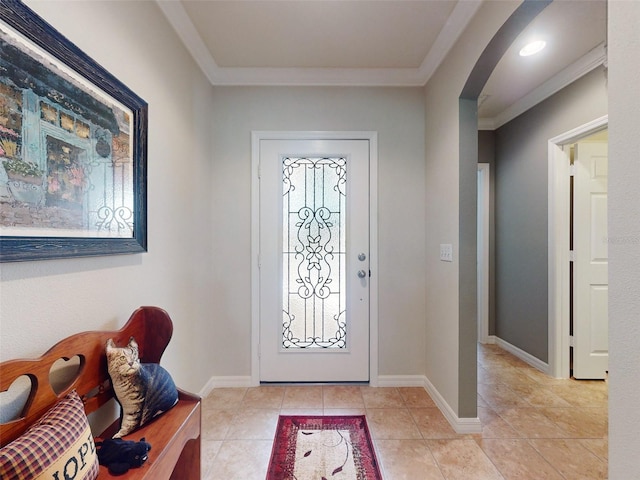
(143,390)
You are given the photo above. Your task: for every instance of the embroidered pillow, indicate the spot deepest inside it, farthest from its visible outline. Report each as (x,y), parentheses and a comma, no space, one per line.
(59,445)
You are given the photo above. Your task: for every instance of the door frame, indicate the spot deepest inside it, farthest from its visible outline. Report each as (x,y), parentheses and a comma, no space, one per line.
(256,137)
(484,191)
(558,244)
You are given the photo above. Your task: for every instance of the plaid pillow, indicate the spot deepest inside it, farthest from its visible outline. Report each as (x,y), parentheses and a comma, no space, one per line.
(59,445)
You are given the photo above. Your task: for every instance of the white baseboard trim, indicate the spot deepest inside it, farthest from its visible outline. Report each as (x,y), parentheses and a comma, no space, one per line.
(490,340)
(522,355)
(460,425)
(401,380)
(225,382)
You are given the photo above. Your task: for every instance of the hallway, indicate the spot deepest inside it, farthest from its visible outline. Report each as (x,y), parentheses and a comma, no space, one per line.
(534,427)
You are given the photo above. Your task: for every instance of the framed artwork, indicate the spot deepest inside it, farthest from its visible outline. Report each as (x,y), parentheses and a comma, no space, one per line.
(73,148)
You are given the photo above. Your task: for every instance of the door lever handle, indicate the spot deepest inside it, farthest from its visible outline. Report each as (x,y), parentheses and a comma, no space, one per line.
(362,273)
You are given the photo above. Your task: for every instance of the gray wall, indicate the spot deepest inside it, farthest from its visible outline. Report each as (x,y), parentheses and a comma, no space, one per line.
(521,209)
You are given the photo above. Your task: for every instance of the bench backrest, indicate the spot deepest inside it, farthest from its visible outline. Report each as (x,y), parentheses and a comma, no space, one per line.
(152,329)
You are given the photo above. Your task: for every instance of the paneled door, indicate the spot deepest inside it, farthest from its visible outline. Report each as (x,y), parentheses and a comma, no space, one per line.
(314,260)
(591,283)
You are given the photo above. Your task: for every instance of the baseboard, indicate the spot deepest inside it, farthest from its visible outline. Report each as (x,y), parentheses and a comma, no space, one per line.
(522,355)
(490,340)
(460,425)
(400,380)
(225,382)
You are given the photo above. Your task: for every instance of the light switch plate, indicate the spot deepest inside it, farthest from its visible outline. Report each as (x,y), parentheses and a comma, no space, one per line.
(446,252)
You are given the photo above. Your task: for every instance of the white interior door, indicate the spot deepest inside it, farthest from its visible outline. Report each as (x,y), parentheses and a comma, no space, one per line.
(314,260)
(591,285)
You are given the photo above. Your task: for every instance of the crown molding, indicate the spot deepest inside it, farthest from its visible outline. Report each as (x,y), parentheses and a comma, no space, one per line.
(573,72)
(462,13)
(181,23)
(455,25)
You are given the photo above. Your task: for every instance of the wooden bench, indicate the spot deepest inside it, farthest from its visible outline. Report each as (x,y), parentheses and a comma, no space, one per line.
(174,435)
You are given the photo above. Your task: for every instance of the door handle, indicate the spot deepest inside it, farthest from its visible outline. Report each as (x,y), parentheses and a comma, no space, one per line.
(362,273)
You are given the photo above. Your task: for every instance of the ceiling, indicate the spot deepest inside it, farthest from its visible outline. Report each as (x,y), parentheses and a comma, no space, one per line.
(382,43)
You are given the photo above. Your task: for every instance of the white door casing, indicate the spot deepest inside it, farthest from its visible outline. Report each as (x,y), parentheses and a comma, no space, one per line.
(483,252)
(277,359)
(590,266)
(558,243)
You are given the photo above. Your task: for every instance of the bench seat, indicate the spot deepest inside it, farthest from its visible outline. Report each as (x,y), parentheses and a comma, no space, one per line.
(174,436)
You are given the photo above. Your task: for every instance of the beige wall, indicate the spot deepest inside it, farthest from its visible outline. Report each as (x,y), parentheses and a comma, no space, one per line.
(442,315)
(397,115)
(624,239)
(42,302)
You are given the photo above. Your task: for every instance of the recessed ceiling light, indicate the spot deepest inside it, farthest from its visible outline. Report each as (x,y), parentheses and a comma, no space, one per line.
(532,48)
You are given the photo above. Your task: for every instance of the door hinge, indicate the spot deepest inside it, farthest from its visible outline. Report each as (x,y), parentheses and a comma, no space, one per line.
(572,170)
(571,341)
(572,255)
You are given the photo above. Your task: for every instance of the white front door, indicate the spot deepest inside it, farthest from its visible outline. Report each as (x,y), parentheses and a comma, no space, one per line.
(591,284)
(314,260)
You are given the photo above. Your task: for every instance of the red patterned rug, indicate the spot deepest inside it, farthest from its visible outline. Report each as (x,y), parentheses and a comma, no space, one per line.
(323,448)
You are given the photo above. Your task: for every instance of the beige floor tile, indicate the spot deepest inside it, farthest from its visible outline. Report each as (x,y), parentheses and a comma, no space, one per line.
(571,459)
(501,396)
(525,416)
(542,378)
(432,423)
(254,424)
(517,459)
(302,411)
(263,397)
(537,395)
(463,459)
(579,395)
(579,422)
(340,396)
(344,411)
(375,397)
(494,426)
(392,424)
(302,397)
(208,451)
(224,398)
(216,423)
(407,460)
(241,460)
(531,423)
(507,375)
(598,446)
(416,397)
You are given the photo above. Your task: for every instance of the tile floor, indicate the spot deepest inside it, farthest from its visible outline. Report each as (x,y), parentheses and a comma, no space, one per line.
(533,426)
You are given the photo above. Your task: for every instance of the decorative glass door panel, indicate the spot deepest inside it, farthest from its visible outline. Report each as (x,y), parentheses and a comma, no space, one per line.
(314,227)
(314,250)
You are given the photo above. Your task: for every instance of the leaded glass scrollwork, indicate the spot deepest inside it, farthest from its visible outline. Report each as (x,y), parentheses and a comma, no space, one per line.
(314,282)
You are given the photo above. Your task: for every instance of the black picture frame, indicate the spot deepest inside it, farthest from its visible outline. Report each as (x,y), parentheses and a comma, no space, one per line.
(16,248)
